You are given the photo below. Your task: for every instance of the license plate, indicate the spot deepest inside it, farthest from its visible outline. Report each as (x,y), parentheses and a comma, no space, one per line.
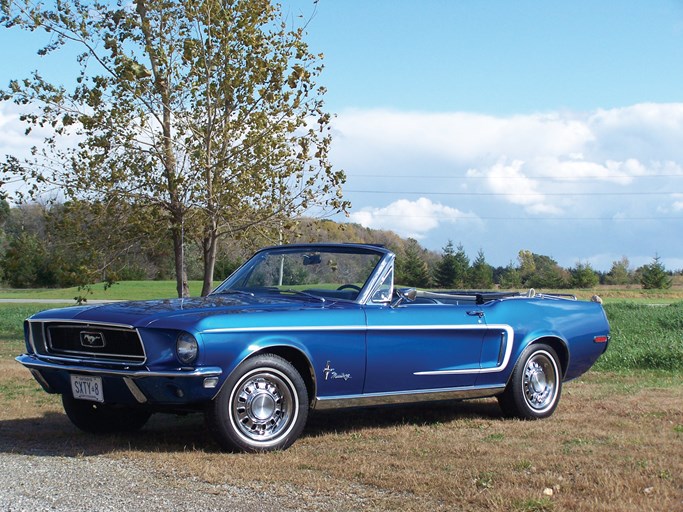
(85,387)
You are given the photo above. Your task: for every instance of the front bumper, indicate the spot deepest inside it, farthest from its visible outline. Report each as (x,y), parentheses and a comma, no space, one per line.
(130,386)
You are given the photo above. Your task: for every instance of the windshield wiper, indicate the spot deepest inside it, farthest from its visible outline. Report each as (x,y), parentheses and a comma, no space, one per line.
(233,291)
(305,294)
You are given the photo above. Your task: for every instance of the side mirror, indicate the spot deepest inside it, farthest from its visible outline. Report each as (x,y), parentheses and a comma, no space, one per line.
(404,295)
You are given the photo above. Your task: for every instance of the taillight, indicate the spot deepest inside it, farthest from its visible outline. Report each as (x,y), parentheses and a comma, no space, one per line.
(601,339)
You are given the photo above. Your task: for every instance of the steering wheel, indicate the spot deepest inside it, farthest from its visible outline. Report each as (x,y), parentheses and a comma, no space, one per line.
(349,287)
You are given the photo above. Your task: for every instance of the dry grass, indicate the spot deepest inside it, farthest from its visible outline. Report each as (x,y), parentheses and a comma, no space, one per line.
(614,444)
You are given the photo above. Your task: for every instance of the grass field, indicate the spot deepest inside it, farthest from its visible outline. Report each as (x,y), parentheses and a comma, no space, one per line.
(140,290)
(123,290)
(614,444)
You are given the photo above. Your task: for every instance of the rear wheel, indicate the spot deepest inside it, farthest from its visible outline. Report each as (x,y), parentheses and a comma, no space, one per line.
(98,418)
(263,406)
(535,385)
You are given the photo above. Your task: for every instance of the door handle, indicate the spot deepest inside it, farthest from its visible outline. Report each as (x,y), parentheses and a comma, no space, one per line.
(478,313)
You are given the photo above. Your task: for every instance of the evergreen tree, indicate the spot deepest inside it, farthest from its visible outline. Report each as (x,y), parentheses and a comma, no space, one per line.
(446,269)
(654,276)
(411,268)
(481,273)
(462,266)
(583,276)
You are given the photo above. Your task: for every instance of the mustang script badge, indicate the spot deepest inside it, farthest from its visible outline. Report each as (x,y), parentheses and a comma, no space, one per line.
(330,373)
(92,339)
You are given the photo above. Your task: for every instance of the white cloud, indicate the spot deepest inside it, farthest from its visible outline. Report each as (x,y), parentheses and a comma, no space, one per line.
(409,218)
(597,180)
(677,205)
(612,140)
(460,136)
(524,160)
(510,181)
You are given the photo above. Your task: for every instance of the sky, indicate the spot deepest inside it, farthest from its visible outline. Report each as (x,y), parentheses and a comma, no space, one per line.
(555,127)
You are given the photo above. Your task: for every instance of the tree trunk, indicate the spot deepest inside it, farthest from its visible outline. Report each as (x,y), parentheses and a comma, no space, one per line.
(209,246)
(179,255)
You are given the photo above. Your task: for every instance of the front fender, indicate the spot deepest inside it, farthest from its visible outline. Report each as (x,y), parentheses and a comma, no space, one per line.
(229,351)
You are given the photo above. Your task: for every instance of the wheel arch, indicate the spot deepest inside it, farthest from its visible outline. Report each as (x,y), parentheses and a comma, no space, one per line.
(559,346)
(297,359)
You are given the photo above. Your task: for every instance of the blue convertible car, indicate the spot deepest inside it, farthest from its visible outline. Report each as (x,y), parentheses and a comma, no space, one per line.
(306,327)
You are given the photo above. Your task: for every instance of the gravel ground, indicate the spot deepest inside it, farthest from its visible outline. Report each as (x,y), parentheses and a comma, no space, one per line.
(36,483)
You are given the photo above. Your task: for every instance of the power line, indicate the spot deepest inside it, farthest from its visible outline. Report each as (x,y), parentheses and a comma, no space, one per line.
(508,194)
(476,217)
(532,177)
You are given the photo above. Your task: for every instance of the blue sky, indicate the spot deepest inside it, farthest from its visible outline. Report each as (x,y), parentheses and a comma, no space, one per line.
(550,126)
(555,127)
(498,57)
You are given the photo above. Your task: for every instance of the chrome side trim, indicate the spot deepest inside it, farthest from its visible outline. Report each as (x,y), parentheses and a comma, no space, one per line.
(30,361)
(402,397)
(41,380)
(278,328)
(135,390)
(440,327)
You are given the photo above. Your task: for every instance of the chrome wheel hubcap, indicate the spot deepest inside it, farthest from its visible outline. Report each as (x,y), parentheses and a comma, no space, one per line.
(540,381)
(262,406)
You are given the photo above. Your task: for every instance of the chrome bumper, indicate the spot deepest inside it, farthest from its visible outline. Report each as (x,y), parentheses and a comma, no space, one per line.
(33,362)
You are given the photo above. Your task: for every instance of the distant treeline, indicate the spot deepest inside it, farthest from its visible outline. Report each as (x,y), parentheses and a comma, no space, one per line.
(77,244)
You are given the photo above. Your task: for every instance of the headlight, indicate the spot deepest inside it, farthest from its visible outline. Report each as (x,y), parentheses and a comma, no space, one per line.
(186,348)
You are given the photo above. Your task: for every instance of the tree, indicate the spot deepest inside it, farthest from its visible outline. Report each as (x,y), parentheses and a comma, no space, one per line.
(527,266)
(4,209)
(620,273)
(540,271)
(462,266)
(510,278)
(25,262)
(411,268)
(4,215)
(481,273)
(583,276)
(445,271)
(208,110)
(654,276)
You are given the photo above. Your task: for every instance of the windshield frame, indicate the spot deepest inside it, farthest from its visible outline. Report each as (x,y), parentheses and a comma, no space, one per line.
(385,259)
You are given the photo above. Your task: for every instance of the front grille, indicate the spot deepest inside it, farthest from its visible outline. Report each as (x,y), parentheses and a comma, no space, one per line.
(92,341)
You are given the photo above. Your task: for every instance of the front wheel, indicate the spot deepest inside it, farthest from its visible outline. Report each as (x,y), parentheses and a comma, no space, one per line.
(263,406)
(98,418)
(535,385)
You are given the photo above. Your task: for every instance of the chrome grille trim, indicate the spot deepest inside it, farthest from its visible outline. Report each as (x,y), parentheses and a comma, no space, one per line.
(125,344)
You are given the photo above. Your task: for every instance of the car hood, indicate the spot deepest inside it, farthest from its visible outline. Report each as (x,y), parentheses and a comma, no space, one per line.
(146,313)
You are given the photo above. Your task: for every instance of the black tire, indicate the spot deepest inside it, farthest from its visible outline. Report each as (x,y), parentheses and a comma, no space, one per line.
(263,406)
(98,418)
(535,386)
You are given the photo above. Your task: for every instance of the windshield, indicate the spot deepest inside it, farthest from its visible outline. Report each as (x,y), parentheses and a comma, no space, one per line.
(322,272)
